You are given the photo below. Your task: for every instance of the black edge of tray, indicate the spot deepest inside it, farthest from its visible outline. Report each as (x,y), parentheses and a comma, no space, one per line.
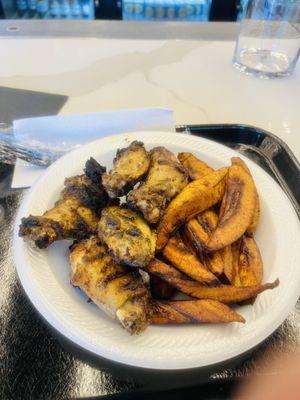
(263,147)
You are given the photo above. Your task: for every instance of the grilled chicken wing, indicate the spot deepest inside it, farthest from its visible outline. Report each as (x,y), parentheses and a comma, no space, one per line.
(166,178)
(75,214)
(115,289)
(130,165)
(127,235)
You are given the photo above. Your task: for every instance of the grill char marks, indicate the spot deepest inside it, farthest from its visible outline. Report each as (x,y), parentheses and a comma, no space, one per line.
(166,178)
(237,208)
(129,167)
(116,289)
(233,201)
(74,216)
(127,236)
(222,293)
(177,253)
(193,312)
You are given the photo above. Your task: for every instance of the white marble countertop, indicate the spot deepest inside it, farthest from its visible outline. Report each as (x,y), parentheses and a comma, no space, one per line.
(193,76)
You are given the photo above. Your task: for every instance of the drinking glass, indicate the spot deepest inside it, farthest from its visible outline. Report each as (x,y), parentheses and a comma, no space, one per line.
(269,41)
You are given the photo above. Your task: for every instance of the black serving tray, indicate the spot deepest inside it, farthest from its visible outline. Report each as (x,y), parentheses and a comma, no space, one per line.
(37,363)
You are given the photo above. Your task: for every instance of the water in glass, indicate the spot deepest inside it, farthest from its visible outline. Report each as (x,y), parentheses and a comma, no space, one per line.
(269,41)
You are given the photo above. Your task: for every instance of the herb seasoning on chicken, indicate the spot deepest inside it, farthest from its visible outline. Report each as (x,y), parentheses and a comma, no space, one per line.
(115,289)
(75,214)
(166,178)
(127,235)
(130,165)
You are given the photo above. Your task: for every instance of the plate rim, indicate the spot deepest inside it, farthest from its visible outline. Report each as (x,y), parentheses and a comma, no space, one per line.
(56,322)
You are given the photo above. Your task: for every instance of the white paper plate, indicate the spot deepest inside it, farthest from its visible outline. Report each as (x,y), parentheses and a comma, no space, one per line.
(45,274)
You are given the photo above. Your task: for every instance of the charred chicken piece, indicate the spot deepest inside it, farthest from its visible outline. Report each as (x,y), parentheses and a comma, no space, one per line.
(74,215)
(127,235)
(130,165)
(115,289)
(166,178)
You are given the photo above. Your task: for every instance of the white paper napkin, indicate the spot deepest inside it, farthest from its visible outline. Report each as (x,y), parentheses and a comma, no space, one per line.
(80,129)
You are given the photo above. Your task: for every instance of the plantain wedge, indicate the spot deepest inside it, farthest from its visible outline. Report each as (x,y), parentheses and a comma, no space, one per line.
(235,252)
(250,265)
(231,294)
(186,261)
(238,210)
(227,263)
(252,227)
(222,293)
(199,230)
(195,167)
(197,196)
(193,312)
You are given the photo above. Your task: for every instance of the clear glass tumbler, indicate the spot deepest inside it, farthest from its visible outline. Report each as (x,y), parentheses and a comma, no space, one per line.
(269,41)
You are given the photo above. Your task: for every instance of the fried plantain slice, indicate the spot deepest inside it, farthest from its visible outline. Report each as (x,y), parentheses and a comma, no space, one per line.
(199,230)
(252,227)
(222,293)
(196,168)
(185,260)
(188,242)
(214,262)
(193,312)
(232,294)
(250,265)
(240,200)
(197,196)
(127,235)
(235,251)
(227,263)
